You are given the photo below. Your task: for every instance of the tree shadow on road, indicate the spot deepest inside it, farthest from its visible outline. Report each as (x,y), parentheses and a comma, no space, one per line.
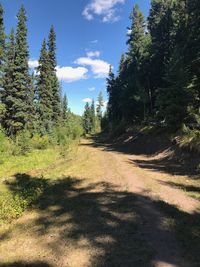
(176,162)
(25,264)
(109,220)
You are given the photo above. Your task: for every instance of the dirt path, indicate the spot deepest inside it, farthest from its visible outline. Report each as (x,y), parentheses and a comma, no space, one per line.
(102,210)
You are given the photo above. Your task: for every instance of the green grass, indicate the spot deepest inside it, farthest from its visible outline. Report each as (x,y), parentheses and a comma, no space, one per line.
(14,203)
(36,159)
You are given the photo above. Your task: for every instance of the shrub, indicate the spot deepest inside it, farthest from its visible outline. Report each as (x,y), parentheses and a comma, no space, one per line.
(6,146)
(40,142)
(23,143)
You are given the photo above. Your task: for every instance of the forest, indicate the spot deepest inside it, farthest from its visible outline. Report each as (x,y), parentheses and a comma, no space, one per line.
(118,186)
(158,77)
(33,111)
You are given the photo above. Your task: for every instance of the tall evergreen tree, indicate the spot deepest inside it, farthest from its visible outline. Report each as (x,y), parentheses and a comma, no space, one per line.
(87,124)
(110,90)
(9,94)
(100,104)
(64,107)
(21,74)
(56,101)
(136,51)
(44,90)
(2,45)
(33,116)
(161,28)
(93,116)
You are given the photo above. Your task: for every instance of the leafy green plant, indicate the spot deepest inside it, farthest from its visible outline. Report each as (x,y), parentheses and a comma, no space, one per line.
(40,142)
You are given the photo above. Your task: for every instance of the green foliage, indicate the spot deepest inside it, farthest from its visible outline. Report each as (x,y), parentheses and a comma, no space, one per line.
(21,77)
(189,139)
(4,142)
(56,101)
(44,90)
(14,202)
(64,107)
(88,119)
(40,142)
(23,142)
(158,77)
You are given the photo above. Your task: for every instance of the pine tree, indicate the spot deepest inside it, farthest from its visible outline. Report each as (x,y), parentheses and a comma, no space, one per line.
(110,90)
(21,74)
(133,93)
(161,27)
(2,45)
(56,101)
(100,105)
(33,116)
(93,117)
(44,90)
(64,107)
(137,36)
(87,125)
(9,94)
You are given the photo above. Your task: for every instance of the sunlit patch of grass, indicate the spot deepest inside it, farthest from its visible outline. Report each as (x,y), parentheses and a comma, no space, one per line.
(25,163)
(50,161)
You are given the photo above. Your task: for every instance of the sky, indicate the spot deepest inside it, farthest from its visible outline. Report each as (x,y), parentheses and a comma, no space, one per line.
(91,36)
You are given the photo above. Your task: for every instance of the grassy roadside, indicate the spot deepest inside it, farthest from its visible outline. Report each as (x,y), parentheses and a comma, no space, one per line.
(88,219)
(14,203)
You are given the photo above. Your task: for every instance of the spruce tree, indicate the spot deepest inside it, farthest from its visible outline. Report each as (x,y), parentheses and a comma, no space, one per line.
(21,74)
(33,116)
(133,91)
(110,90)
(56,101)
(93,117)
(9,95)
(100,104)
(87,125)
(64,108)
(161,28)
(2,45)
(44,90)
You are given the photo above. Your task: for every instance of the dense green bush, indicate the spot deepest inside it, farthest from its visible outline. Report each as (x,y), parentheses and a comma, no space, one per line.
(40,142)
(3,141)
(22,143)
(14,202)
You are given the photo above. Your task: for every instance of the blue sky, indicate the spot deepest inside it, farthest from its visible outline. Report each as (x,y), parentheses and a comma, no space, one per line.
(91,35)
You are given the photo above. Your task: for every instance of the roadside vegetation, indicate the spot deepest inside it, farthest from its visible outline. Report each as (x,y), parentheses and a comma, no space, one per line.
(93,196)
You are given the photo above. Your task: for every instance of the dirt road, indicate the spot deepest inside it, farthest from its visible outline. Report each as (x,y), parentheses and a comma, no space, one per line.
(101,209)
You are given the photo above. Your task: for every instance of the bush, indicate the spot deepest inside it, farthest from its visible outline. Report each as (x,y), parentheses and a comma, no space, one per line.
(14,202)
(6,146)
(189,139)
(23,143)
(3,141)
(40,142)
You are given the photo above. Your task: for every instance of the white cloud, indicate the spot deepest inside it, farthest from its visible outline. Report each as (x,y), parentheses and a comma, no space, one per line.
(100,68)
(87,100)
(94,42)
(69,74)
(104,8)
(93,54)
(129,32)
(33,63)
(91,89)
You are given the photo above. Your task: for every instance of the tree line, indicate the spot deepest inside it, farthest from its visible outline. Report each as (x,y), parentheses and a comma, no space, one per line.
(158,78)
(29,101)
(93,116)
